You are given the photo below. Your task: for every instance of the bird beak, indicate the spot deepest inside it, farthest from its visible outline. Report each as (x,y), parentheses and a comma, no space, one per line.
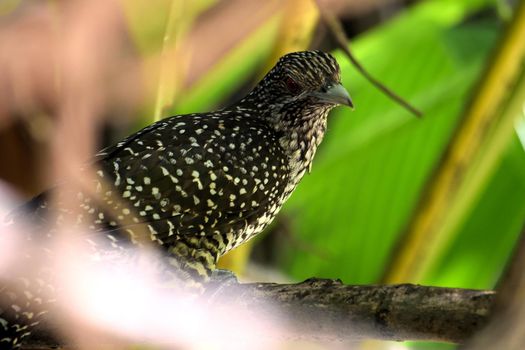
(336,94)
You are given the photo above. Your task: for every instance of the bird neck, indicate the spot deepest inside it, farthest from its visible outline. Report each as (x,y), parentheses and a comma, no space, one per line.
(300,136)
(300,127)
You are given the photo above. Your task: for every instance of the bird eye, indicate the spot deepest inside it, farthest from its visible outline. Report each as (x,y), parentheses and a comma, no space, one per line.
(292,85)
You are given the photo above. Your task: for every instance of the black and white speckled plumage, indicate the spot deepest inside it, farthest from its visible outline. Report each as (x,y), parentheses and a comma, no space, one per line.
(201,184)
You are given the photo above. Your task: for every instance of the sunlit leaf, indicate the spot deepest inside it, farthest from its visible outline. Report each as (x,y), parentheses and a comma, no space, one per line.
(375,160)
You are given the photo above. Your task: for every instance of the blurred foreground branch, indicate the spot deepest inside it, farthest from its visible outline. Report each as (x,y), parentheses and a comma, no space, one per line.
(504,330)
(328,311)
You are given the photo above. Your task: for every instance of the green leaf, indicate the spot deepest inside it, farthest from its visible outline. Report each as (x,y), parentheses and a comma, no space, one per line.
(374,161)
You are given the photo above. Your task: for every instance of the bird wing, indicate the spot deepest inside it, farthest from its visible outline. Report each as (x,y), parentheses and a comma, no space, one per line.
(196,174)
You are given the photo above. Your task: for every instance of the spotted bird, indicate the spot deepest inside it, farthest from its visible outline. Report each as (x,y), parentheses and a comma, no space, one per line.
(198,185)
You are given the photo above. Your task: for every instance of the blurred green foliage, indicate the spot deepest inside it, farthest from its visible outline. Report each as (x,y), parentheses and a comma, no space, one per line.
(147,22)
(230,73)
(370,171)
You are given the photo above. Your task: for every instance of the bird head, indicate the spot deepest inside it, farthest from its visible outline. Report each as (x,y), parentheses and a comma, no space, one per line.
(302,85)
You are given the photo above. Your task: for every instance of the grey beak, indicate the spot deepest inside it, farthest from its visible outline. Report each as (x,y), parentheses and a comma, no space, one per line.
(336,94)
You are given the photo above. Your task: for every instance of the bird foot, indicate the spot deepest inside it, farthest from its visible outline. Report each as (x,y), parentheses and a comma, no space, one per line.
(220,281)
(222,276)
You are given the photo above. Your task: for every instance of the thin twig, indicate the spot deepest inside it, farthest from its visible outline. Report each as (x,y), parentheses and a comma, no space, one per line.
(335,28)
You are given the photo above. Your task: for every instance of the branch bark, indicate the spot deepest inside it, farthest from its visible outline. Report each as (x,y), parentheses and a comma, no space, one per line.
(327,310)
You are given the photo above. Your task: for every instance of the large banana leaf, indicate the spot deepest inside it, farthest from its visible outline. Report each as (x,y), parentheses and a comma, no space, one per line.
(374,162)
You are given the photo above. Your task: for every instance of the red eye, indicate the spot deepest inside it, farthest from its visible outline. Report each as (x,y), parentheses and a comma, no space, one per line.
(292,85)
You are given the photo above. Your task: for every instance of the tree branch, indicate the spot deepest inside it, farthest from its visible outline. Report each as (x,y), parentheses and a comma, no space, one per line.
(332,311)
(327,310)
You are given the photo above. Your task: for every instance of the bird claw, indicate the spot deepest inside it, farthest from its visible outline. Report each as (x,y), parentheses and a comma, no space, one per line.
(221,276)
(220,280)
